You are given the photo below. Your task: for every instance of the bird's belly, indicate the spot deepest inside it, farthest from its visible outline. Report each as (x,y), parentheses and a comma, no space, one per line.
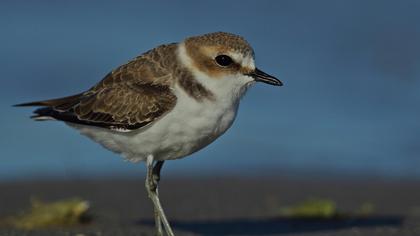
(186,129)
(183,131)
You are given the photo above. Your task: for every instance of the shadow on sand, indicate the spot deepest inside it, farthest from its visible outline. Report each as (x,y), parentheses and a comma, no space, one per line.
(278,225)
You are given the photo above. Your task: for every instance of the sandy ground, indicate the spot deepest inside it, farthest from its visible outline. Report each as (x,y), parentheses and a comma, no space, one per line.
(224,206)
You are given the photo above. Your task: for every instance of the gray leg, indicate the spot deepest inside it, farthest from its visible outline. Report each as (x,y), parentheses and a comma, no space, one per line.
(156,178)
(152,178)
(156,171)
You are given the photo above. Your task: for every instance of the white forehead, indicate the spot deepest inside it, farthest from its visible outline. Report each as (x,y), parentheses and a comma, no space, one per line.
(246,61)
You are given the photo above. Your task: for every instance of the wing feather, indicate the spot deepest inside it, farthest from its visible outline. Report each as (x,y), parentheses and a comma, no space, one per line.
(128,98)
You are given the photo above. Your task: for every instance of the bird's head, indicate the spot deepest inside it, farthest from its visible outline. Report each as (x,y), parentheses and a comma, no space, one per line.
(223,55)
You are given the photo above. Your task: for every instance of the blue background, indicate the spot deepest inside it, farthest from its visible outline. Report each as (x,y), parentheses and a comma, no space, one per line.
(350,106)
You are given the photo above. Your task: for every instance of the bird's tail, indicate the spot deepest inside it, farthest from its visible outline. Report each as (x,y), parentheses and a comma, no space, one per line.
(49,108)
(52,102)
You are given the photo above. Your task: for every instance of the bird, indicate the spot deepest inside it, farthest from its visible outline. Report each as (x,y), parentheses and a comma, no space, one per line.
(165,104)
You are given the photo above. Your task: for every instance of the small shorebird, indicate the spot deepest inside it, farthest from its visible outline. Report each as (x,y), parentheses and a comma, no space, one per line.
(165,104)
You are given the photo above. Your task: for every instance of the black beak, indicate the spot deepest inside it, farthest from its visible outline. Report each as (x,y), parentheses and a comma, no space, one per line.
(261,76)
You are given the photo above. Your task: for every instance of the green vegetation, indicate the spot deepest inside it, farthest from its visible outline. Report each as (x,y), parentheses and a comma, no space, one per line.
(312,208)
(323,209)
(67,212)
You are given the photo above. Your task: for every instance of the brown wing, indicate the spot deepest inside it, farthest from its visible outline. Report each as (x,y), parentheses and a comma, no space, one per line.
(127,106)
(128,98)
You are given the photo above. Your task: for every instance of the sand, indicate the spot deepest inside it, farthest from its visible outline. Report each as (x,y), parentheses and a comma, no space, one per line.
(225,206)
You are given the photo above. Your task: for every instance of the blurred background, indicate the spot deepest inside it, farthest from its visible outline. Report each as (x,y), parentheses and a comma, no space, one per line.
(349,107)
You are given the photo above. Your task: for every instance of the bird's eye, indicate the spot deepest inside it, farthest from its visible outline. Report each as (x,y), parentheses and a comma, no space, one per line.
(223,60)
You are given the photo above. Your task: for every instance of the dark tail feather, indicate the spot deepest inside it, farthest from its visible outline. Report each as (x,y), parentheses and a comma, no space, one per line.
(44,113)
(30,104)
(58,103)
(51,108)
